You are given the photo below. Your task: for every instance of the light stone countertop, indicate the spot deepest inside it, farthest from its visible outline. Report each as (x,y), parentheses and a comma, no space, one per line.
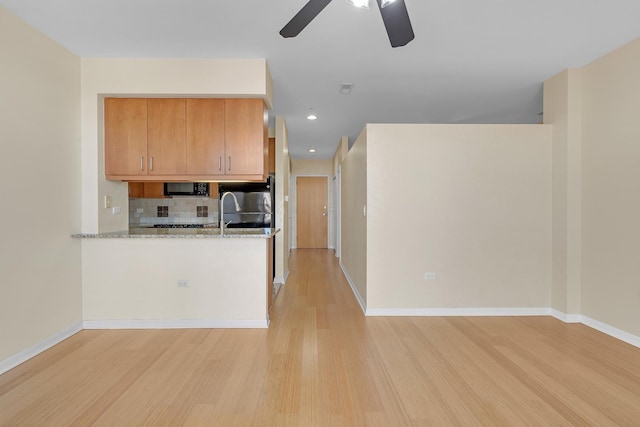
(182,233)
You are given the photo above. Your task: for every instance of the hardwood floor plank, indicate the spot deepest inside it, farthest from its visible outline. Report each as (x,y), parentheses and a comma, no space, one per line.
(322,363)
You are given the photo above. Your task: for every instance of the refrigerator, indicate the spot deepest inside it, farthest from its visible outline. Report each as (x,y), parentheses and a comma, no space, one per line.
(255,200)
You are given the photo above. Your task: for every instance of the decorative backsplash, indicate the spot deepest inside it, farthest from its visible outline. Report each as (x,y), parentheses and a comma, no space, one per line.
(174,210)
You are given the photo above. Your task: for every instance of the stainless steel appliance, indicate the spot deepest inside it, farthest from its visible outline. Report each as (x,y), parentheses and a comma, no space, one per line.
(255,200)
(186,189)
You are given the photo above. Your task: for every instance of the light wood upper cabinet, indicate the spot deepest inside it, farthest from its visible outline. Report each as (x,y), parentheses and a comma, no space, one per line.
(125,135)
(194,139)
(205,136)
(136,189)
(166,136)
(154,190)
(245,137)
(148,190)
(213,190)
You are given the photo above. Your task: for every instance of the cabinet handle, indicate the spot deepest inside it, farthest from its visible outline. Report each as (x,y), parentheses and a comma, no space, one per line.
(229,168)
(141,163)
(151,164)
(220,163)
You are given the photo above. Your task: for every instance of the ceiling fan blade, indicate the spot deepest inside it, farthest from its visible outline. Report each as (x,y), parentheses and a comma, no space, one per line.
(302,18)
(396,21)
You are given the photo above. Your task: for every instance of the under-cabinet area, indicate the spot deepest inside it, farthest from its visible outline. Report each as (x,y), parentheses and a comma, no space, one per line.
(185,139)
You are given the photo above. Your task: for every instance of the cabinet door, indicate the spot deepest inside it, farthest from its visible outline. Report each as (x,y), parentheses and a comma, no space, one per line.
(136,189)
(245,137)
(125,136)
(213,190)
(154,190)
(147,190)
(205,136)
(166,129)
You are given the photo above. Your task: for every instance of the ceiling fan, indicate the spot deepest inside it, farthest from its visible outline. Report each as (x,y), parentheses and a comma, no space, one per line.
(394,15)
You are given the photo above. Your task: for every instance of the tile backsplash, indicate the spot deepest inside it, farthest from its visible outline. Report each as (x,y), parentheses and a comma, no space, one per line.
(175,210)
(162,212)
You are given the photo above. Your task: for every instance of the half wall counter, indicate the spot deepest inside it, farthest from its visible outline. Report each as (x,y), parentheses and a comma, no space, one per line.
(177,278)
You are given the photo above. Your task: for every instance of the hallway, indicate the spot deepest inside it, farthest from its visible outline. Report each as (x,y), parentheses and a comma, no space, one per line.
(322,363)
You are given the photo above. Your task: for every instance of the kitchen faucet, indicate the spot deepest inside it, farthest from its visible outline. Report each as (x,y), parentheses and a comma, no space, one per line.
(235,199)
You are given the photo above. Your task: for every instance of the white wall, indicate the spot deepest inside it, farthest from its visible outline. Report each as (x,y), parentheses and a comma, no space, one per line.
(133,280)
(596,154)
(149,77)
(40,264)
(283,167)
(342,150)
(563,108)
(470,203)
(610,189)
(353,199)
(312,168)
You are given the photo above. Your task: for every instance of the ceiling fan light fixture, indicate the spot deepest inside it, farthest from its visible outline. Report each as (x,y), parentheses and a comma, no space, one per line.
(364,4)
(396,19)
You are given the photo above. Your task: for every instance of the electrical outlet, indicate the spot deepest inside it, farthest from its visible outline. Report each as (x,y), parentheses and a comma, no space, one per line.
(116,210)
(429,276)
(183,283)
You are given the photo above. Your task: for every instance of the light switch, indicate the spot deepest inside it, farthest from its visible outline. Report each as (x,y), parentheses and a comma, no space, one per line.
(115,210)
(107,202)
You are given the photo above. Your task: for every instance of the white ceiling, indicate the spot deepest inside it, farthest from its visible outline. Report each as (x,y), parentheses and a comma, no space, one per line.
(472,61)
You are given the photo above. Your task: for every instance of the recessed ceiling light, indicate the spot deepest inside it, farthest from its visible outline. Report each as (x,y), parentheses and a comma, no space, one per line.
(312,150)
(312,114)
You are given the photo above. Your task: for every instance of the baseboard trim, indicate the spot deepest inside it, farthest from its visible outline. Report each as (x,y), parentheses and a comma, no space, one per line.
(38,348)
(354,289)
(462,311)
(611,331)
(281,280)
(566,318)
(502,311)
(276,288)
(175,324)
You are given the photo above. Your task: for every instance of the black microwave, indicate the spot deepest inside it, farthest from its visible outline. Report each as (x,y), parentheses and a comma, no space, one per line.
(186,189)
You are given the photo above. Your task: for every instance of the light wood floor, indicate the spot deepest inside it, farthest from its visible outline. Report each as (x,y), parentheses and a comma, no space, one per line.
(322,363)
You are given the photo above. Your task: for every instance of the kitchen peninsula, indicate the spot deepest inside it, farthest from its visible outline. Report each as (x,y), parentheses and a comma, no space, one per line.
(171,278)
(177,278)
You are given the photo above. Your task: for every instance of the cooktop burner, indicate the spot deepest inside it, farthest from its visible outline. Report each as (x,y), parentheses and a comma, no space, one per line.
(178,226)
(247,225)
